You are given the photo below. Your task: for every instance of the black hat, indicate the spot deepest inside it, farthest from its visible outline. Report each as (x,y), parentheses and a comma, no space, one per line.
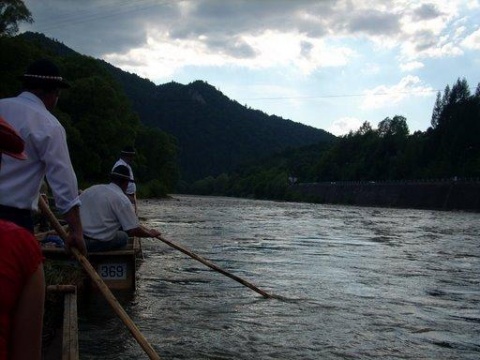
(44,72)
(121,172)
(128,150)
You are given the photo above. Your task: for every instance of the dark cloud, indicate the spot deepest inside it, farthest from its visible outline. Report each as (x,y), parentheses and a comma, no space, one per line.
(374,22)
(426,12)
(234,47)
(213,17)
(425,40)
(316,20)
(221,24)
(306,48)
(100,27)
(97,27)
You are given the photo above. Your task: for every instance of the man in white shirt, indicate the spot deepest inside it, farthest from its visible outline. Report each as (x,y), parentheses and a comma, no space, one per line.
(126,158)
(108,217)
(46,148)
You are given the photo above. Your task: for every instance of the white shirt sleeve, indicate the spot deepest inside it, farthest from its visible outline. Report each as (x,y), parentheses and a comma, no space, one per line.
(53,151)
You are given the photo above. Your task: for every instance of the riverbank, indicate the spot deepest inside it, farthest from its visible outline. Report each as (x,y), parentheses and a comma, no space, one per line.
(432,195)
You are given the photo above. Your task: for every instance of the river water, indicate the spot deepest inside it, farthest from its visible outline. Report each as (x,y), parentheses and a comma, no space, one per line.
(361,283)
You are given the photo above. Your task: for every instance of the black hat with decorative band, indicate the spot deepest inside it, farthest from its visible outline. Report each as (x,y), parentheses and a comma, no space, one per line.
(44,72)
(121,172)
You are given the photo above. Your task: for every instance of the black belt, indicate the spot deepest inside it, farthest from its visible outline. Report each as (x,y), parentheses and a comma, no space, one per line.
(21,217)
(15,211)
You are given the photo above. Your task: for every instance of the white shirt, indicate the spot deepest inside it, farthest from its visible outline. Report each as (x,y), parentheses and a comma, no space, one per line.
(132,188)
(47,152)
(105,210)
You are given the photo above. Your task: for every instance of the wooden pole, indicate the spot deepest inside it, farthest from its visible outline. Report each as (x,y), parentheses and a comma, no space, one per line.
(111,299)
(220,270)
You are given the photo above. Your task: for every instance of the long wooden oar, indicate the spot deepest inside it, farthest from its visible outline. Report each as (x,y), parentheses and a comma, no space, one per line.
(220,270)
(101,284)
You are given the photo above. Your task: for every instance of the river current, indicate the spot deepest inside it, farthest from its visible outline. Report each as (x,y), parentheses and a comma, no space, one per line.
(360,283)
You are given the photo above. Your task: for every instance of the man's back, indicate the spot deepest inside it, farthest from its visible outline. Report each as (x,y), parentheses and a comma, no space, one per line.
(47,152)
(105,210)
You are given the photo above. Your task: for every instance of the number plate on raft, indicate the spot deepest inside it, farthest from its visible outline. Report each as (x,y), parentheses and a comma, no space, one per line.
(113,271)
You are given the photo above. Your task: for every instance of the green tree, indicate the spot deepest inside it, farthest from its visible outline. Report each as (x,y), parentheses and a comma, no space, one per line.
(13,12)
(437,110)
(454,145)
(396,126)
(157,158)
(101,113)
(364,129)
(460,92)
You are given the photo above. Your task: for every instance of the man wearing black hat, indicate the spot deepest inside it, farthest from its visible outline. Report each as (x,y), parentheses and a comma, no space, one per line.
(46,148)
(126,159)
(108,217)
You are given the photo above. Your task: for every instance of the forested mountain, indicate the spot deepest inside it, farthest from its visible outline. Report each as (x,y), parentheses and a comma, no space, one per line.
(215,134)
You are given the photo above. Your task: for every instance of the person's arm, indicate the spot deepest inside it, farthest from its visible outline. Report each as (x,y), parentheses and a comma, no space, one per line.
(60,174)
(143,232)
(75,236)
(28,319)
(128,219)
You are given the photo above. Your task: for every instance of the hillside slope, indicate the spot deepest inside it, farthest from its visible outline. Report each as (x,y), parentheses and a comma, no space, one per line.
(215,134)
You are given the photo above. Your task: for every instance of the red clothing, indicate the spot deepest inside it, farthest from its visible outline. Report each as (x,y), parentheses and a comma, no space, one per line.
(20,256)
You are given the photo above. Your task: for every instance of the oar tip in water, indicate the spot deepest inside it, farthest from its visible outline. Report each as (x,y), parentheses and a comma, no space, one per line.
(278,297)
(217,268)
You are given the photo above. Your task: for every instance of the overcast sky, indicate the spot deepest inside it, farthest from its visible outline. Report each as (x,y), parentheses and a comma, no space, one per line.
(328,64)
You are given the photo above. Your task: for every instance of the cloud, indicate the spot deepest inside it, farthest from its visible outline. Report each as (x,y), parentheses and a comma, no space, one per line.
(472,41)
(385,96)
(473,4)
(243,30)
(235,47)
(344,125)
(162,58)
(431,30)
(374,22)
(412,65)
(426,12)
(289,52)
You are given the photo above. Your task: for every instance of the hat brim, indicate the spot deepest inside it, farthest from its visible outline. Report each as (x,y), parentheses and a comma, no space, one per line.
(121,176)
(61,84)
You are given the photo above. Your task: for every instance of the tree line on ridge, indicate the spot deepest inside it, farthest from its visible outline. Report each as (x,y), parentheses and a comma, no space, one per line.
(448,149)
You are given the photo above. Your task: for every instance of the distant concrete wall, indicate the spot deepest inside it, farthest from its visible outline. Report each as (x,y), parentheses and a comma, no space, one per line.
(442,195)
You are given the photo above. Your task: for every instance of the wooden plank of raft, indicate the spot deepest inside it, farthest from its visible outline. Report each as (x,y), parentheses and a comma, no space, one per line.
(70,328)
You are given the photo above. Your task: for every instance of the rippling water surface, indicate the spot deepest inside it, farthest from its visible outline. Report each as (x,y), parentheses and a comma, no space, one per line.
(361,283)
